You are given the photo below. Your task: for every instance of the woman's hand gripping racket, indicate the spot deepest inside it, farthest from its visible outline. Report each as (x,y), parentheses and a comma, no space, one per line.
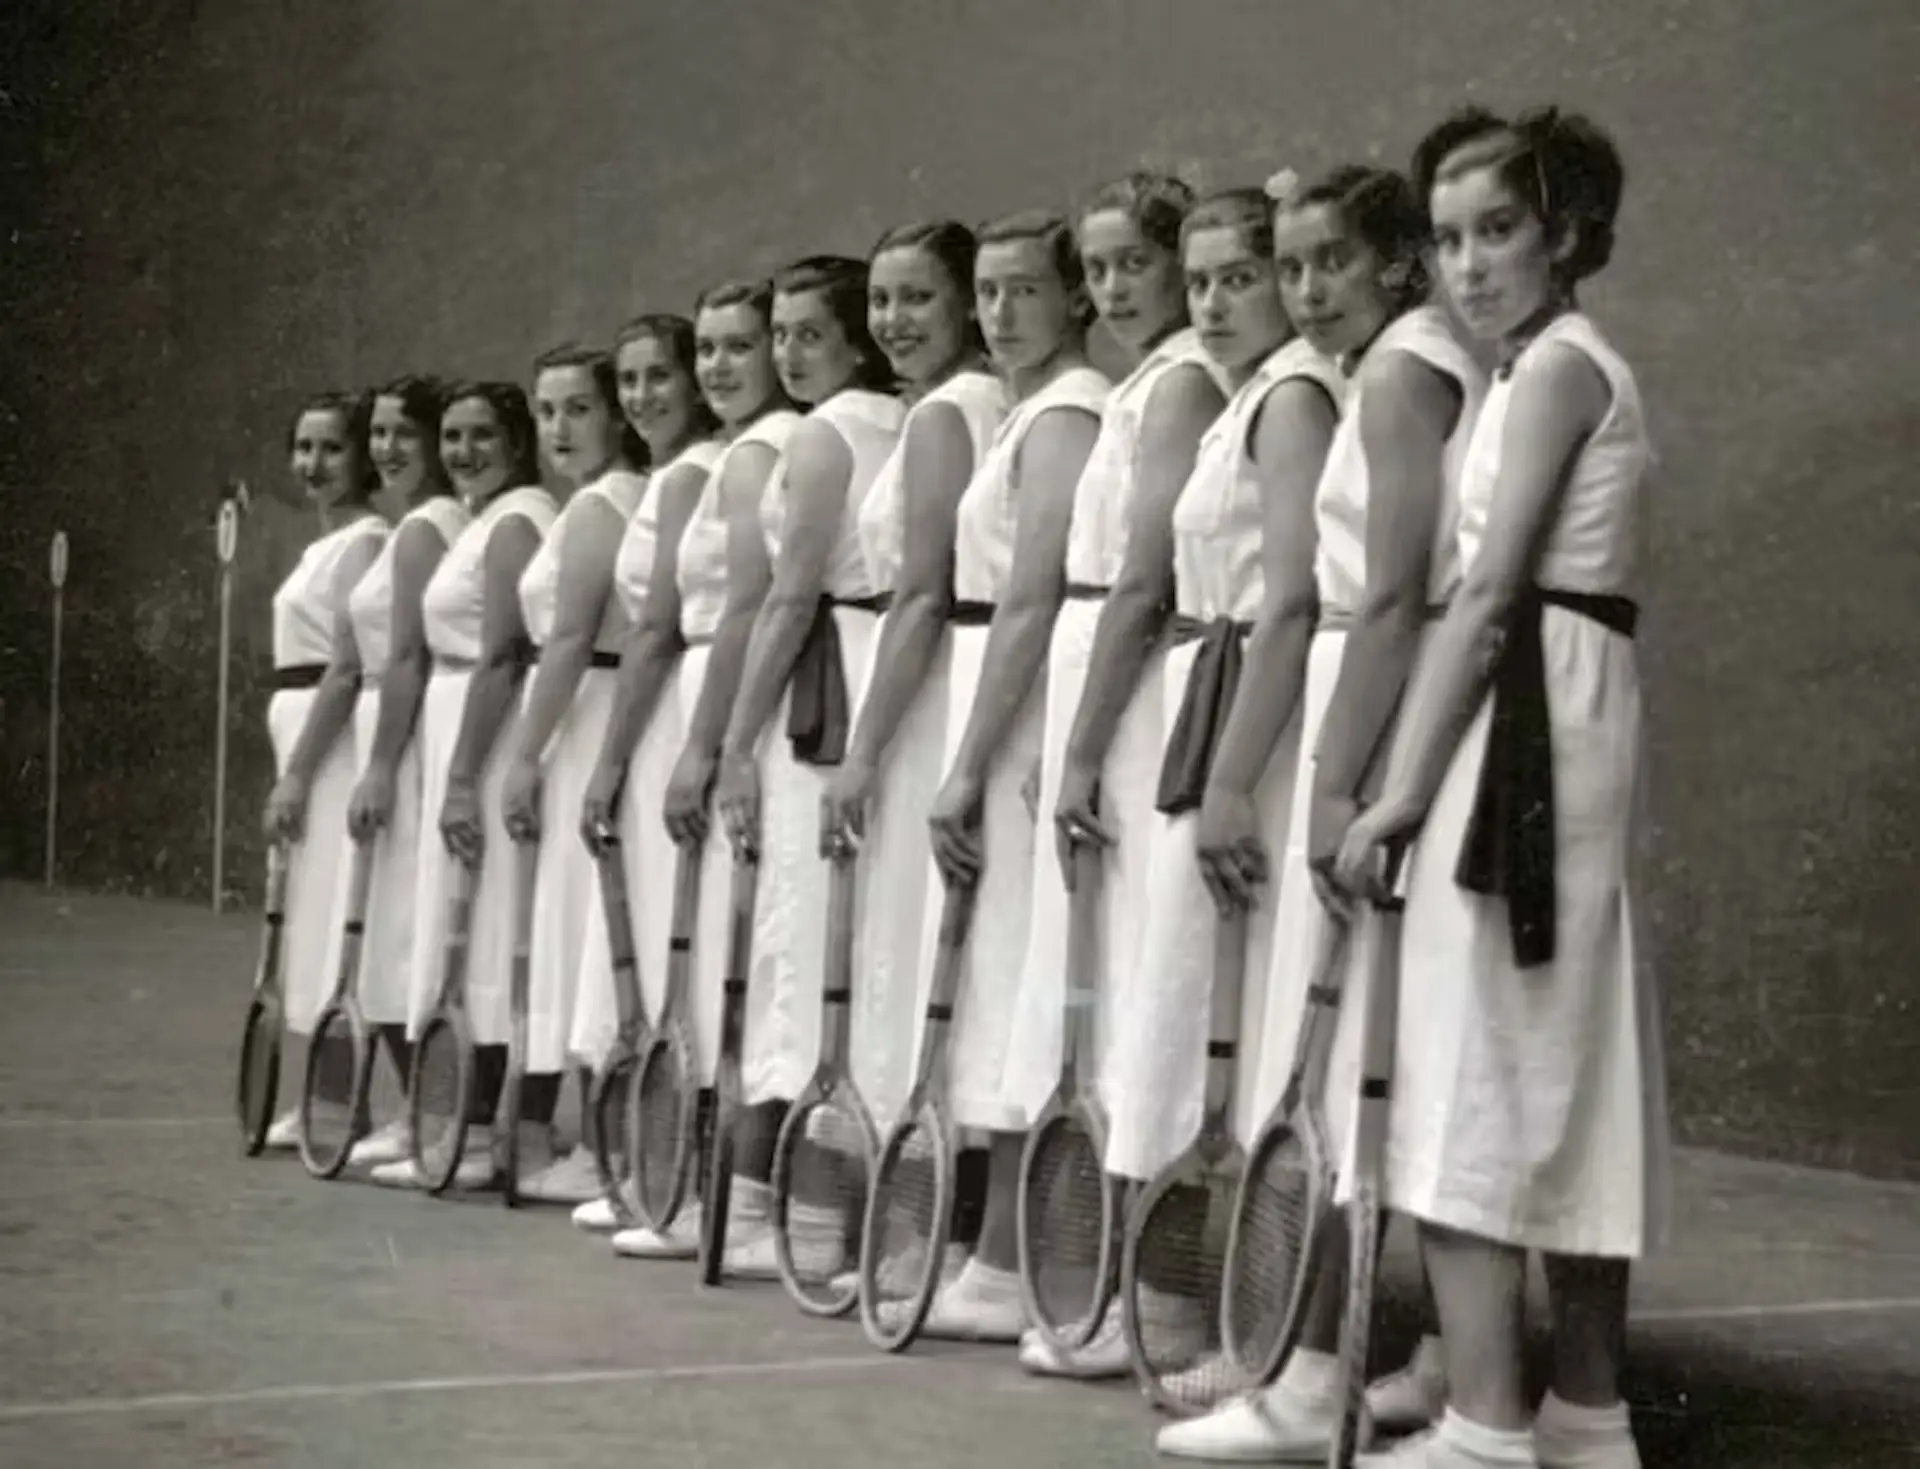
(663,1104)
(1284,1200)
(1069,1207)
(823,1158)
(258,1085)
(610,1093)
(513,1091)
(1176,1241)
(903,1239)
(726,1072)
(333,1102)
(440,1090)
(1379,936)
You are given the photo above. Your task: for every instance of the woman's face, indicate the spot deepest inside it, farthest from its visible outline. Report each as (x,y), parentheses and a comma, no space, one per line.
(400,449)
(475,450)
(657,395)
(917,313)
(1492,253)
(579,436)
(1330,279)
(322,456)
(734,361)
(1135,284)
(1233,298)
(1026,310)
(810,347)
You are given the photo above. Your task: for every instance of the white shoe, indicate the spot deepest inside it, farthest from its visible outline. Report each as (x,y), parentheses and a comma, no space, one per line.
(1104,1355)
(596,1216)
(1273,1426)
(400,1173)
(1602,1440)
(385,1145)
(1416,1395)
(574,1179)
(1425,1450)
(478,1169)
(284,1134)
(679,1241)
(749,1254)
(900,1275)
(980,1304)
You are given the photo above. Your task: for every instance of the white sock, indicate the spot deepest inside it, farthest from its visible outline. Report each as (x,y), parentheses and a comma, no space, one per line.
(1310,1375)
(1475,1443)
(1570,1429)
(988,1282)
(752,1199)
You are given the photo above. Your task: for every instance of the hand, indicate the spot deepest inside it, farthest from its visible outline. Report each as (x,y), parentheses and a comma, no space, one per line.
(1233,859)
(601,806)
(685,804)
(843,807)
(1076,820)
(955,824)
(520,800)
(1328,817)
(372,805)
(286,816)
(1382,827)
(460,825)
(737,793)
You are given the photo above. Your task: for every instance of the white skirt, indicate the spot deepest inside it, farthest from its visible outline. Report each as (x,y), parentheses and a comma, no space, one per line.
(314,864)
(490,939)
(566,884)
(1127,782)
(1158,1054)
(651,863)
(781,1046)
(984,1009)
(898,896)
(1530,1104)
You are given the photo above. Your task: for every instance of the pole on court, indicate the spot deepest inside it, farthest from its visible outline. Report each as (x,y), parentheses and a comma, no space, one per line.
(57,573)
(226,535)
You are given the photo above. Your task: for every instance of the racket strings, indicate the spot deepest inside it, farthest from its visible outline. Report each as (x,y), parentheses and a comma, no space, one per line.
(1181,1255)
(660,1114)
(259,1073)
(608,1119)
(439,1097)
(1277,1217)
(1069,1230)
(826,1196)
(334,1120)
(906,1209)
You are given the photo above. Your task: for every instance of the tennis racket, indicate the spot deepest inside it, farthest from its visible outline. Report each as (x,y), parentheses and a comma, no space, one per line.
(1069,1207)
(903,1238)
(258,1087)
(1380,941)
(607,1097)
(333,1102)
(1176,1241)
(513,1099)
(440,1091)
(1284,1200)
(726,1072)
(663,1104)
(823,1158)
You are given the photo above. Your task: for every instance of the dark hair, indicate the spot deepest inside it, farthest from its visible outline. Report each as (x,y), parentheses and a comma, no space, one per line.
(1563,166)
(842,282)
(509,404)
(755,294)
(1052,232)
(356,417)
(606,381)
(674,334)
(422,400)
(1157,203)
(1248,210)
(1381,207)
(952,246)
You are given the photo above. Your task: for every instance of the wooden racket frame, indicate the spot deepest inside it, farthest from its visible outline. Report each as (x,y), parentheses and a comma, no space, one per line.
(513,1086)
(728,1091)
(449,1012)
(616,1071)
(343,1001)
(266,1007)
(672,1035)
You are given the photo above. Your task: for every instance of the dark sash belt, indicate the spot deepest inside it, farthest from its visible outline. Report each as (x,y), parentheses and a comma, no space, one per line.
(299,676)
(1508,850)
(1080,591)
(1211,684)
(600,658)
(970,614)
(818,716)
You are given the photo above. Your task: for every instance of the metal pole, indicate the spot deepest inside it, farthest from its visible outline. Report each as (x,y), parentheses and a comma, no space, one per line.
(226,533)
(57,569)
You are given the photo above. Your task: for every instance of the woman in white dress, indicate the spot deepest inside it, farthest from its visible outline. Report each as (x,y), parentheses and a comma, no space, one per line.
(1530,1101)
(574,625)
(816,622)
(654,361)
(387,631)
(477,638)
(316,676)
(1242,553)
(1009,584)
(719,598)
(1350,249)
(920,310)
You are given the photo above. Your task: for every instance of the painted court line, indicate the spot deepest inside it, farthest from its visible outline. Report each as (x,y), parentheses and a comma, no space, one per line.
(1884,1306)
(31,1124)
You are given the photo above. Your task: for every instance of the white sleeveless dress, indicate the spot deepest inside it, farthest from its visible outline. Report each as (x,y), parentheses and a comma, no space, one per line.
(566,883)
(452,609)
(1096,550)
(782,1041)
(648,851)
(306,607)
(1157,1057)
(985,1008)
(1341,507)
(386,954)
(1530,1104)
(893,883)
(702,580)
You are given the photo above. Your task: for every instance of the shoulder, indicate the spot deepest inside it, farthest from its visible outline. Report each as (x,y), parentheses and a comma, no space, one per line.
(1563,378)
(1186,391)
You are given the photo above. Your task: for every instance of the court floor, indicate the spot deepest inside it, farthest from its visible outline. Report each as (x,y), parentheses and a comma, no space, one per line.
(166,1302)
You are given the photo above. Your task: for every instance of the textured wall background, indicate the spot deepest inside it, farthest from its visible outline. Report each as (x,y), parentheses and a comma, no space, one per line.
(214,205)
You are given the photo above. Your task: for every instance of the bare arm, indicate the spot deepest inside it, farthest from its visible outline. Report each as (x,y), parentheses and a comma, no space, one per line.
(1180,408)
(417,552)
(333,701)
(588,544)
(748,576)
(503,637)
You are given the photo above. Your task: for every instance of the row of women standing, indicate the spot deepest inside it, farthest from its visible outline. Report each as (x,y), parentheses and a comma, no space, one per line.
(1033,586)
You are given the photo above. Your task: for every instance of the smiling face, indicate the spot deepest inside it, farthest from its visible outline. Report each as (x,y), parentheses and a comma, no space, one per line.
(733,357)
(401,452)
(475,449)
(1135,283)
(1026,310)
(322,456)
(1492,253)
(810,346)
(658,396)
(918,313)
(1233,298)
(1331,280)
